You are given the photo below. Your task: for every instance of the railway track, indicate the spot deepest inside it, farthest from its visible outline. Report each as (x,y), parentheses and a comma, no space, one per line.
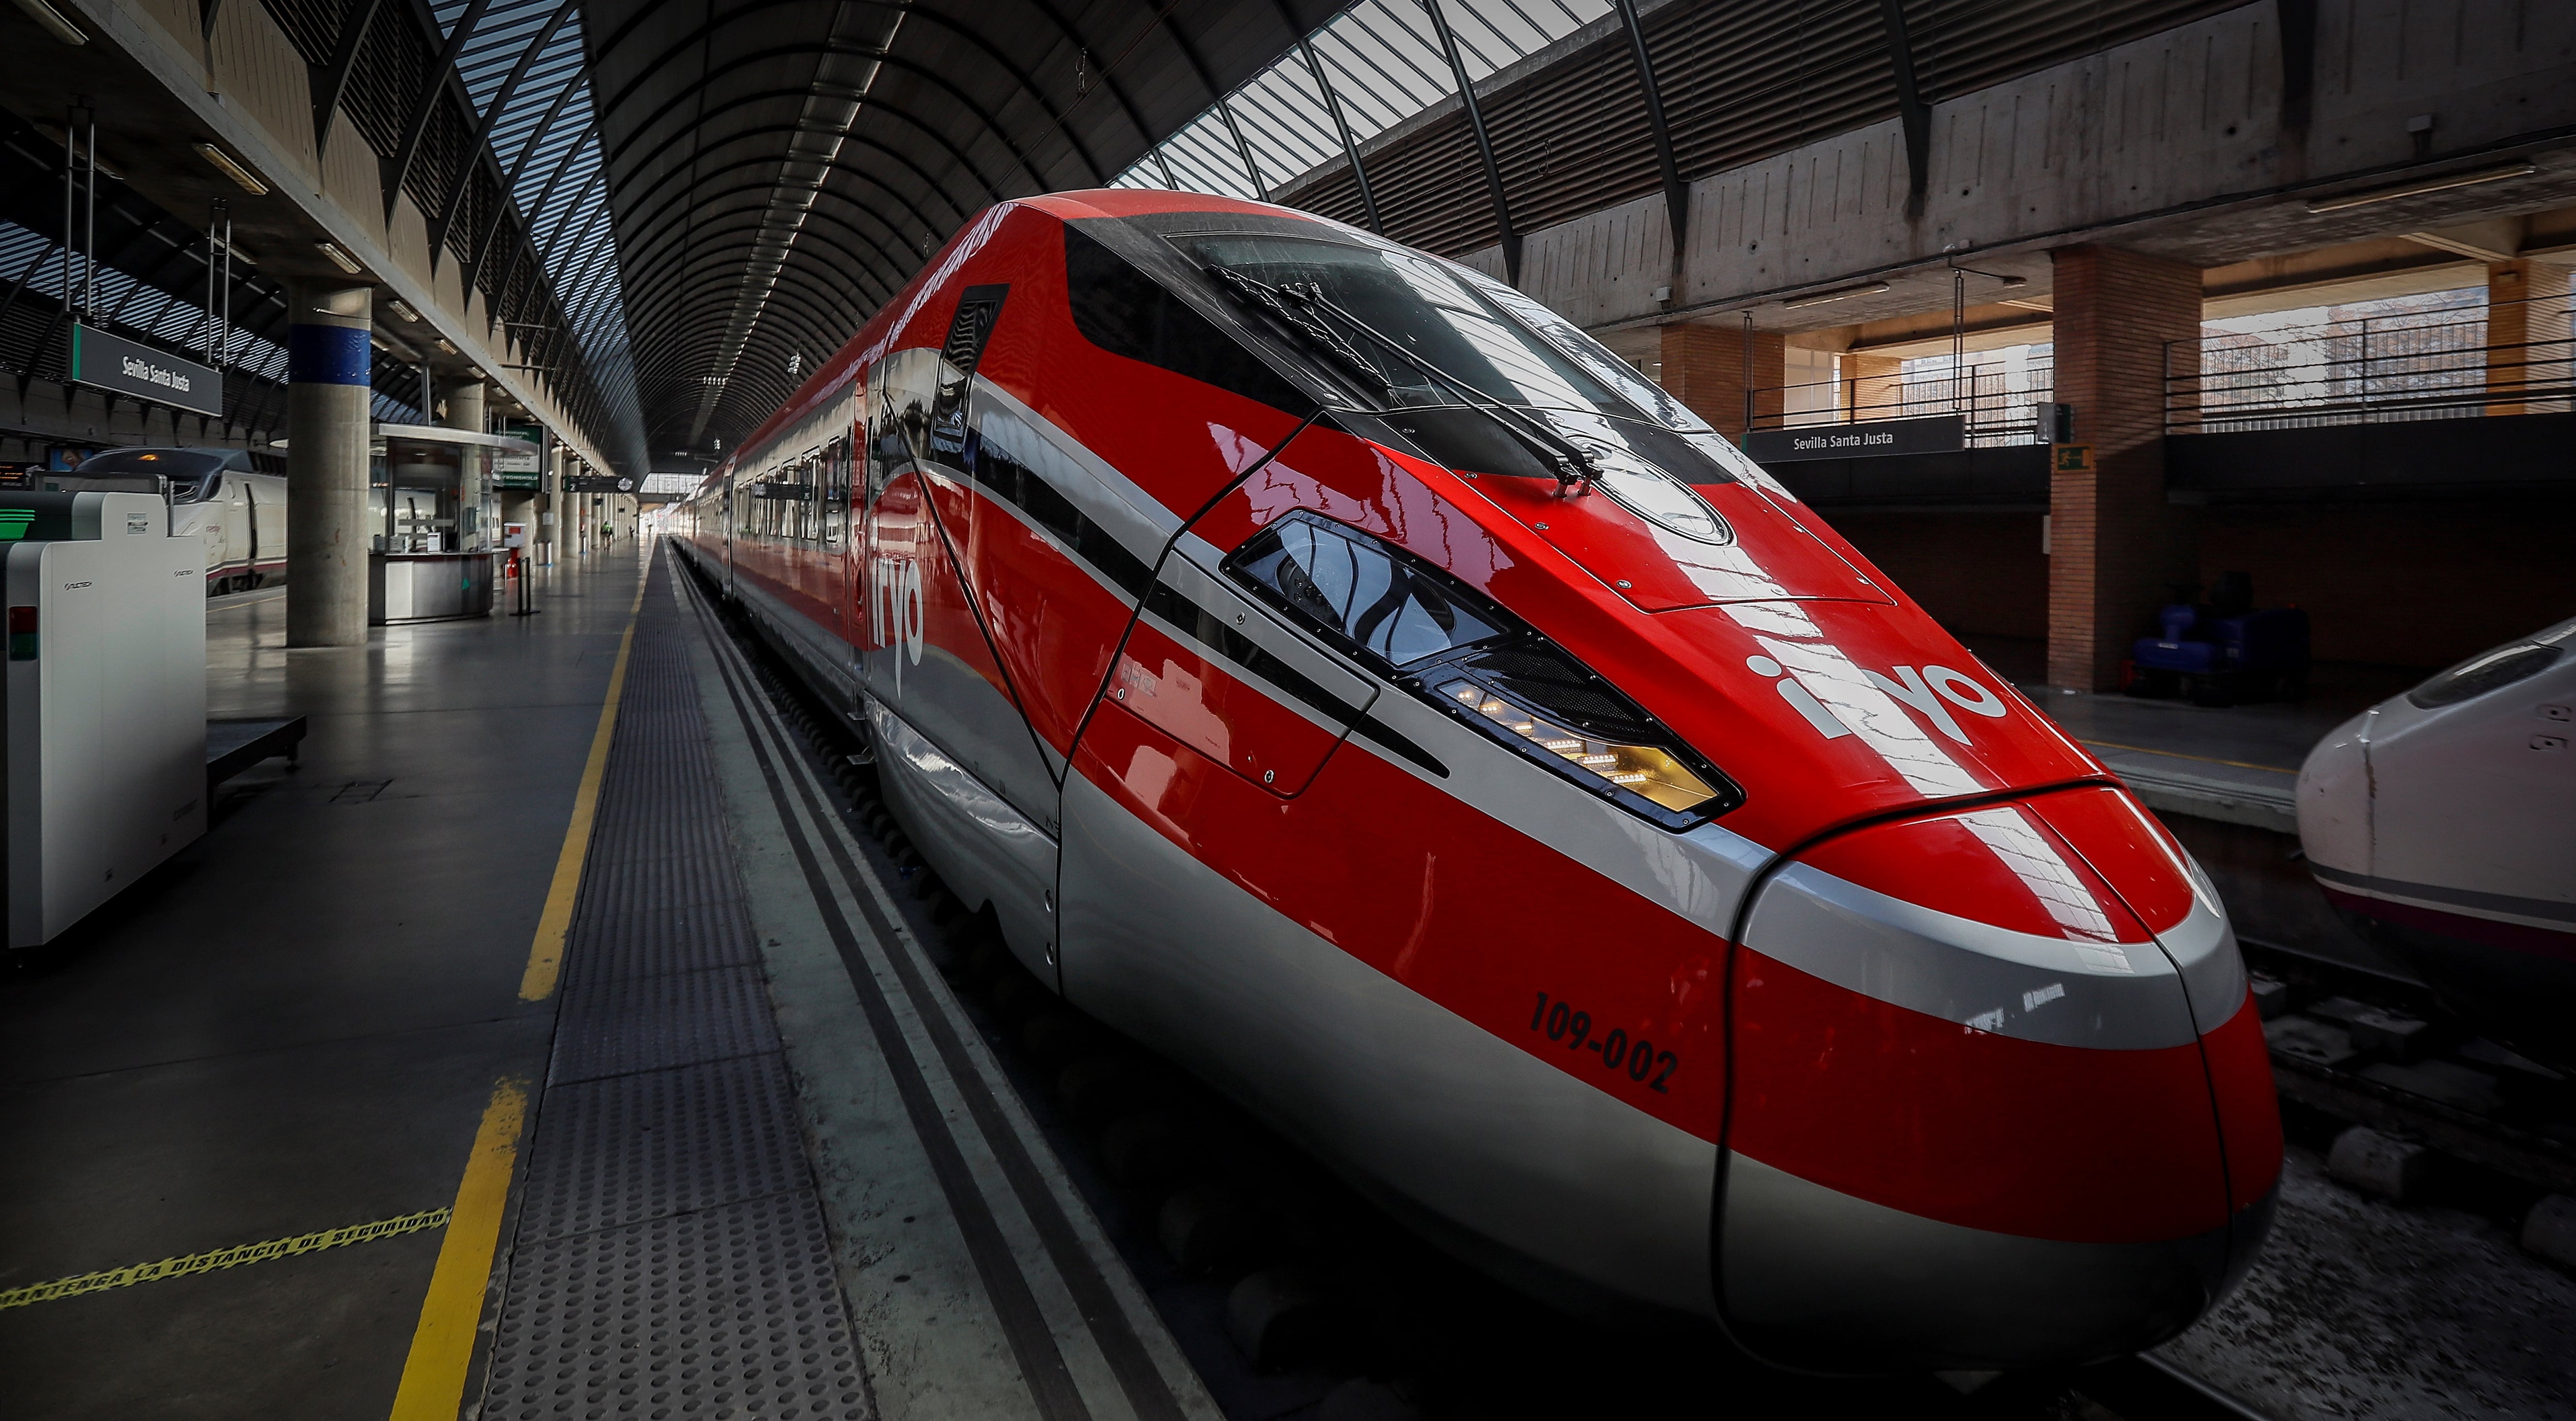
(1291,1293)
(2466,1121)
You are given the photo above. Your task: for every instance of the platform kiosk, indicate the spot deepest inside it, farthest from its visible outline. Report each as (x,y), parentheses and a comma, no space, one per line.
(436,551)
(105,709)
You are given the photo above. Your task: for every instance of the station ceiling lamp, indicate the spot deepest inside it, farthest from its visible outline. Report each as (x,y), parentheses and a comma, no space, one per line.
(339,258)
(2345,201)
(1839,293)
(224,164)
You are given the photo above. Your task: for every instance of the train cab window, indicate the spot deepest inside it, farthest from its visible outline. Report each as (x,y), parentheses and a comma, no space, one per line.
(2487,671)
(1359,593)
(1428,313)
(1122,310)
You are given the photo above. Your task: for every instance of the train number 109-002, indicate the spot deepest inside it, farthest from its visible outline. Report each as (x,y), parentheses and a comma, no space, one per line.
(1638,1057)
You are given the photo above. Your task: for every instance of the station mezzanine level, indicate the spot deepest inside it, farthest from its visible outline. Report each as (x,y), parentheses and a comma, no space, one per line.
(571,1030)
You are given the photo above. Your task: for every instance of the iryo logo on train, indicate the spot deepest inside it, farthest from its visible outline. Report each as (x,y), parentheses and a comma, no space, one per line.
(894,609)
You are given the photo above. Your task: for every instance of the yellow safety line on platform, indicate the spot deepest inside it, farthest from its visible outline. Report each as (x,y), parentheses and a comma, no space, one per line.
(2185,755)
(442,1345)
(209,1261)
(545,955)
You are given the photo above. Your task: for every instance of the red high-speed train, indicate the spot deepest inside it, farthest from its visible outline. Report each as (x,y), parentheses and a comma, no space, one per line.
(1338,672)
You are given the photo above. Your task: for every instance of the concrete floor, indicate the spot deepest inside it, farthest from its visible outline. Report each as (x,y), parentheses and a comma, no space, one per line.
(296,1026)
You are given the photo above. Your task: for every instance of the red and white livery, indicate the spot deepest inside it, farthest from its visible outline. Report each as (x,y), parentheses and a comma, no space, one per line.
(1338,672)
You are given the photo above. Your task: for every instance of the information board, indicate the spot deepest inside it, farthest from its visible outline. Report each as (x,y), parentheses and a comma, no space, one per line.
(109,362)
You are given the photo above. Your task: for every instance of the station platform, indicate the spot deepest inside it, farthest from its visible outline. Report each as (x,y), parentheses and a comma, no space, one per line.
(445,1072)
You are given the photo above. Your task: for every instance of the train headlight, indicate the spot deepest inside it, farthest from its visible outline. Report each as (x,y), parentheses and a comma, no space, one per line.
(1447,643)
(1646,770)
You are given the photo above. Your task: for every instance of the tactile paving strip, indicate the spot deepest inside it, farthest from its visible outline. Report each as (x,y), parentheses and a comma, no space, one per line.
(722,1312)
(636,1147)
(614,1025)
(653,885)
(616,942)
(670,1258)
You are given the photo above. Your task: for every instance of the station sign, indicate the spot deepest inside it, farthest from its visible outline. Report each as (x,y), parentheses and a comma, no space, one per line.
(598,483)
(1931,434)
(108,362)
(516,478)
(519,461)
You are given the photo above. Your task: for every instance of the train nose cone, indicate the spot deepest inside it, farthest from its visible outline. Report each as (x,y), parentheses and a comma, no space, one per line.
(2000,1099)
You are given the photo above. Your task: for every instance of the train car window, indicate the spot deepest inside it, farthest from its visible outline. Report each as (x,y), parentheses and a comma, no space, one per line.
(1428,310)
(1359,593)
(836,488)
(1120,309)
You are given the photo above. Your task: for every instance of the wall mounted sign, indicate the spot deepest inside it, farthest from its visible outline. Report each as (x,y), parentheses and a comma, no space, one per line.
(1931,434)
(107,362)
(519,461)
(2070,458)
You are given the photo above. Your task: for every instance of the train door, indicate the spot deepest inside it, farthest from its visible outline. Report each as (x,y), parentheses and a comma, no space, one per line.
(232,514)
(953,749)
(267,499)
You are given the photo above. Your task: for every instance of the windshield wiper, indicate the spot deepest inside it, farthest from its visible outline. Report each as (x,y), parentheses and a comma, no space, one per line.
(1267,299)
(1293,304)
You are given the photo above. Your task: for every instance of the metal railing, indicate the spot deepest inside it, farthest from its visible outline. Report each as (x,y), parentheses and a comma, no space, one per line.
(2383,369)
(1998,408)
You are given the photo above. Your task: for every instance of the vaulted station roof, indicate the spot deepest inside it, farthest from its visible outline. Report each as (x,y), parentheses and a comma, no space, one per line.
(778,168)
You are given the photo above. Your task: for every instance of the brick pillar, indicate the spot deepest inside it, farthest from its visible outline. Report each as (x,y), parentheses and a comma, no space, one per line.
(2526,333)
(1873,387)
(1708,367)
(2114,541)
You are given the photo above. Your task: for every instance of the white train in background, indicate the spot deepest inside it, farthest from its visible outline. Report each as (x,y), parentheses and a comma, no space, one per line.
(2442,825)
(222,495)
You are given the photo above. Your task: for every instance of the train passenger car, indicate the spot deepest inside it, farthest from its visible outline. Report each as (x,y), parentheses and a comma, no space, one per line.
(221,495)
(2441,824)
(1335,670)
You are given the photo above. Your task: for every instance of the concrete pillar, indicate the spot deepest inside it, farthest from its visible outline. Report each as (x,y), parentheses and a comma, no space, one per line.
(1873,387)
(461,407)
(460,403)
(2526,333)
(2114,542)
(327,527)
(1709,367)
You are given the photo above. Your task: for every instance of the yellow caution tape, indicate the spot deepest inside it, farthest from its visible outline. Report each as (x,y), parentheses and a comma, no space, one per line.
(220,1258)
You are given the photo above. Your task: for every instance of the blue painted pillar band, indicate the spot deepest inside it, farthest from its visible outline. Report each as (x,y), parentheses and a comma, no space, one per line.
(326,355)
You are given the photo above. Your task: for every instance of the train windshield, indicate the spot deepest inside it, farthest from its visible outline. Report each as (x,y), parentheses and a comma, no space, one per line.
(1440,320)
(191,472)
